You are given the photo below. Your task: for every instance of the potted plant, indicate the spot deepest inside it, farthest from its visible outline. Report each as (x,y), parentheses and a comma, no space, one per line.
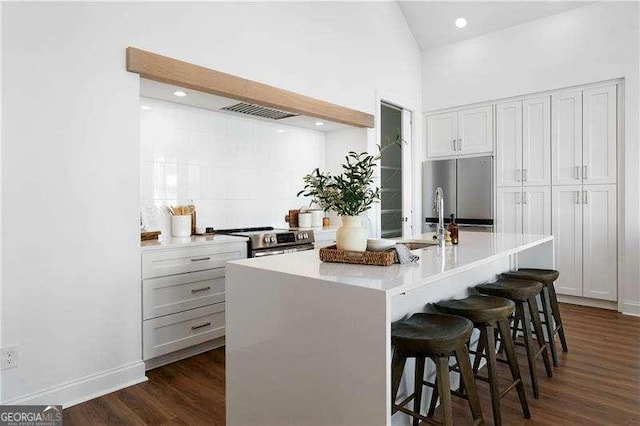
(348,194)
(318,187)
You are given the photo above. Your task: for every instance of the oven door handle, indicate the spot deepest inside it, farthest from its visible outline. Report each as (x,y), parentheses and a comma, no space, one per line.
(267,253)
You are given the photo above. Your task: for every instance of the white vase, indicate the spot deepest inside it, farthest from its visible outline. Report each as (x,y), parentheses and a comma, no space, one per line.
(351,235)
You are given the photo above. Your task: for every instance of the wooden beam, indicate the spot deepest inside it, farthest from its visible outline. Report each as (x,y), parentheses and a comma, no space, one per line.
(184,74)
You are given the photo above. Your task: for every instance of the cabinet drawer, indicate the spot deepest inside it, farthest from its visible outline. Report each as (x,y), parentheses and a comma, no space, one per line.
(176,293)
(178,331)
(190,259)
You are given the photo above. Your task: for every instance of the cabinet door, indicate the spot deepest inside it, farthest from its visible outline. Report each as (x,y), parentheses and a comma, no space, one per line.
(509,210)
(567,233)
(599,135)
(536,141)
(442,134)
(536,210)
(600,242)
(509,143)
(475,129)
(566,138)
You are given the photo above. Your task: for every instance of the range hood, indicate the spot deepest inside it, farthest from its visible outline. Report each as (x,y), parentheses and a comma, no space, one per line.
(161,91)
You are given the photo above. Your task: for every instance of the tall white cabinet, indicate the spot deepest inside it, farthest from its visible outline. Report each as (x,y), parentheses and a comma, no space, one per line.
(556,173)
(584,141)
(523,171)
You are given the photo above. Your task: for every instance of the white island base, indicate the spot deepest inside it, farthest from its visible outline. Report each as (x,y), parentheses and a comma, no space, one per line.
(308,342)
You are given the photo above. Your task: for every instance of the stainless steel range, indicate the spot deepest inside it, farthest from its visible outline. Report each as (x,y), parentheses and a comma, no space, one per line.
(267,241)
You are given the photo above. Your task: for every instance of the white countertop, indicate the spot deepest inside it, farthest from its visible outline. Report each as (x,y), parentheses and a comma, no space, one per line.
(194,240)
(475,248)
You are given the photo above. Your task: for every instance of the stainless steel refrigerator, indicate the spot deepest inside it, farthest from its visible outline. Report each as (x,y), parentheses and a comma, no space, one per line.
(468,192)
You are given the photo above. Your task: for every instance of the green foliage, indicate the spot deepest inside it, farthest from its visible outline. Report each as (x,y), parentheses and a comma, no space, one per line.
(349,193)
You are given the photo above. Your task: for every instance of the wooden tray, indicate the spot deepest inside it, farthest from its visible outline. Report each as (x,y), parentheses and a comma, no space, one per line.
(379,258)
(151,235)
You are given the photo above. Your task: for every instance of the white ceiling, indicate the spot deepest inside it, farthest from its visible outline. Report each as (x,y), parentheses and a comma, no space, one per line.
(433,25)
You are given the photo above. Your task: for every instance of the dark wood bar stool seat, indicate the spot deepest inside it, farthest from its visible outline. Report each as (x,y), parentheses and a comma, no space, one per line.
(524,292)
(490,314)
(434,336)
(550,308)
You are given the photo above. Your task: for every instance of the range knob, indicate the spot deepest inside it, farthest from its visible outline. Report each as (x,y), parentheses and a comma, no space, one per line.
(272,239)
(267,239)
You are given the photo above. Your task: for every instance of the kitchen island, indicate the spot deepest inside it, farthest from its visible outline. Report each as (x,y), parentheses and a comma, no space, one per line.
(309,343)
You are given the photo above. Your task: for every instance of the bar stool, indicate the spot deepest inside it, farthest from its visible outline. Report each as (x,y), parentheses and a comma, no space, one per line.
(524,293)
(434,336)
(551,314)
(488,315)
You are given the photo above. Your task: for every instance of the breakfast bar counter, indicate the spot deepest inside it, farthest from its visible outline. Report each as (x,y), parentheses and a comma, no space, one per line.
(308,342)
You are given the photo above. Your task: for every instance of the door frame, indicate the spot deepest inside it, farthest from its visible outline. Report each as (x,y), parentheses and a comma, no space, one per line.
(409,157)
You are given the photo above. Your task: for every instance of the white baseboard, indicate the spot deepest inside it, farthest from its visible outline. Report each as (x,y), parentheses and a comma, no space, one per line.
(86,388)
(585,301)
(183,353)
(631,308)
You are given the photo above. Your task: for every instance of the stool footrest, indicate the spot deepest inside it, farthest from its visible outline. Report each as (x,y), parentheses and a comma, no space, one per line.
(412,414)
(508,388)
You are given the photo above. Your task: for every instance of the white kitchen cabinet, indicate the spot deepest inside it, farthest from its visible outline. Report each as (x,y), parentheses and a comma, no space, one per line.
(509,210)
(463,132)
(585,231)
(475,130)
(523,142)
(599,242)
(599,135)
(584,136)
(524,210)
(566,137)
(183,294)
(536,141)
(536,210)
(509,143)
(567,232)
(442,134)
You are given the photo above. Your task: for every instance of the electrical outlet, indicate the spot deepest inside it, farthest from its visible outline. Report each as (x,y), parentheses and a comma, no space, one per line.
(9,357)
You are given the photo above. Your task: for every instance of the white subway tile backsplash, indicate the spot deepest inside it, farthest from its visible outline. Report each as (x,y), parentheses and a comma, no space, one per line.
(237,171)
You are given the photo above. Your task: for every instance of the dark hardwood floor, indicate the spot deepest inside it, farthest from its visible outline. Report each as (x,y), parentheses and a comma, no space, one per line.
(597,383)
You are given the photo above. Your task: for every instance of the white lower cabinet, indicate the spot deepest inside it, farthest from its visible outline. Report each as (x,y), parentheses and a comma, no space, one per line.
(183,297)
(585,231)
(524,210)
(599,242)
(171,333)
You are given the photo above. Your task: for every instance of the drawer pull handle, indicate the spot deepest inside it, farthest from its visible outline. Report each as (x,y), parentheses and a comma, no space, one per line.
(198,259)
(206,324)
(198,290)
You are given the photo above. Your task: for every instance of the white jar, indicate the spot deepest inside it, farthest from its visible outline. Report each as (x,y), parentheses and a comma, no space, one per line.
(316,218)
(305,220)
(181,225)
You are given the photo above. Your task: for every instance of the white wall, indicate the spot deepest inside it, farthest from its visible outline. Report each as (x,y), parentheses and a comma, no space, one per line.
(238,171)
(71,154)
(589,44)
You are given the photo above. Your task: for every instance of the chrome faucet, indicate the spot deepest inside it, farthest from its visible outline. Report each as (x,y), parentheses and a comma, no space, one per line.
(438,204)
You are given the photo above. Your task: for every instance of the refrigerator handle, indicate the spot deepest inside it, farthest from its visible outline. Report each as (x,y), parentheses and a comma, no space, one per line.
(453,144)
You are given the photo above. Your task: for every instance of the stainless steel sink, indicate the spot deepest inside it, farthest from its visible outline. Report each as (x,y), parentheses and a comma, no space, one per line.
(418,244)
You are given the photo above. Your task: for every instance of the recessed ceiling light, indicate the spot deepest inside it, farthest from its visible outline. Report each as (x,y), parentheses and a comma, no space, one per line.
(145,107)
(461,22)
(180,93)
(319,123)
(280,131)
